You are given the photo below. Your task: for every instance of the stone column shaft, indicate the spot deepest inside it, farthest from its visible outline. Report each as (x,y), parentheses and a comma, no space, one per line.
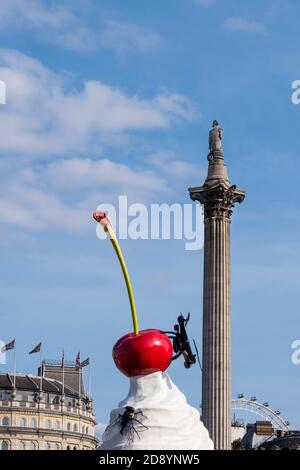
(216,382)
(218,199)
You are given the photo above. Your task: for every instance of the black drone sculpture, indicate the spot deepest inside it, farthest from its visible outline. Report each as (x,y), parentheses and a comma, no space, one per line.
(181,343)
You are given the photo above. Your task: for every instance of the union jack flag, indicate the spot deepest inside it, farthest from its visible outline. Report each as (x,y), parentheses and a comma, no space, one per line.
(36,349)
(9,346)
(85,363)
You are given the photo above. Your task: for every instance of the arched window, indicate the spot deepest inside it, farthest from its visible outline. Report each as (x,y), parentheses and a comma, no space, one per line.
(69,427)
(57,446)
(75,427)
(32,445)
(4,445)
(87,430)
(5,421)
(33,423)
(56,400)
(22,423)
(74,448)
(57,425)
(21,445)
(68,447)
(82,429)
(48,424)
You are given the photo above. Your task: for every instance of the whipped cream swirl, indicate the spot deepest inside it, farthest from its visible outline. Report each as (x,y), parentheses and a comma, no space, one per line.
(170,422)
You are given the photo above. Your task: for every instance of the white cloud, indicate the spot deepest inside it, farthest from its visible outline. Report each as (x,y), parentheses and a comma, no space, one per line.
(32,14)
(62,195)
(66,28)
(168,165)
(84,173)
(29,208)
(46,118)
(244,25)
(37,199)
(79,39)
(43,117)
(124,36)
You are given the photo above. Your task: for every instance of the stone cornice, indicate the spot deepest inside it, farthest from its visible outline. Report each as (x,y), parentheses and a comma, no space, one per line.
(51,413)
(13,430)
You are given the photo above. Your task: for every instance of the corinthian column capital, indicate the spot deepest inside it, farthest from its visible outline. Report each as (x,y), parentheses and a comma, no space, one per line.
(218,200)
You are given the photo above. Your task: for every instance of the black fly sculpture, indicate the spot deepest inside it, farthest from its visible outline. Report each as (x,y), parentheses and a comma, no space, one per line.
(181,344)
(126,422)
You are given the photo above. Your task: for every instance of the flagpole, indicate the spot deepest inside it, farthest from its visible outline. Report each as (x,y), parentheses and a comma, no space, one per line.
(15,365)
(41,369)
(90,381)
(78,368)
(79,385)
(63,373)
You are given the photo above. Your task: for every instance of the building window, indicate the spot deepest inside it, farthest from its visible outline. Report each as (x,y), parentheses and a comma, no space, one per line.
(57,446)
(5,421)
(56,400)
(4,445)
(74,427)
(22,423)
(31,397)
(32,445)
(22,445)
(57,425)
(33,423)
(24,396)
(87,430)
(69,427)
(48,424)
(4,395)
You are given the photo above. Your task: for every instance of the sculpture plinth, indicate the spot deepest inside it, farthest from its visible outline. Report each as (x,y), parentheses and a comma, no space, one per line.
(218,197)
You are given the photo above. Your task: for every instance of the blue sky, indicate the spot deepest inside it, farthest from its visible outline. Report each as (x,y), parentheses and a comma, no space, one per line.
(111,97)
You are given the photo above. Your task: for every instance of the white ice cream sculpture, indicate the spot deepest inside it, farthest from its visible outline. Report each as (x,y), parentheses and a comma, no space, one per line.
(170,422)
(155,414)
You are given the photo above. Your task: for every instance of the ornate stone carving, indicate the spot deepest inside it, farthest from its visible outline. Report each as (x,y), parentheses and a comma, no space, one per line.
(218,201)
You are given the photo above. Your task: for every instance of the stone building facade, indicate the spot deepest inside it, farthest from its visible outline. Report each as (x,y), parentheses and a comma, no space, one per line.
(40,414)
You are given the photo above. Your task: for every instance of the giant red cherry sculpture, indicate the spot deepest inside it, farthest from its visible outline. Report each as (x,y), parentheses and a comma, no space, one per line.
(143,353)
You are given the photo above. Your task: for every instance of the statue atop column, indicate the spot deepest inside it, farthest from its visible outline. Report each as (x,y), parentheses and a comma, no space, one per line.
(215,140)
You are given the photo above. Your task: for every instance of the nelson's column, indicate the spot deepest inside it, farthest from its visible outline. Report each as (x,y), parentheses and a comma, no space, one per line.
(218,197)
